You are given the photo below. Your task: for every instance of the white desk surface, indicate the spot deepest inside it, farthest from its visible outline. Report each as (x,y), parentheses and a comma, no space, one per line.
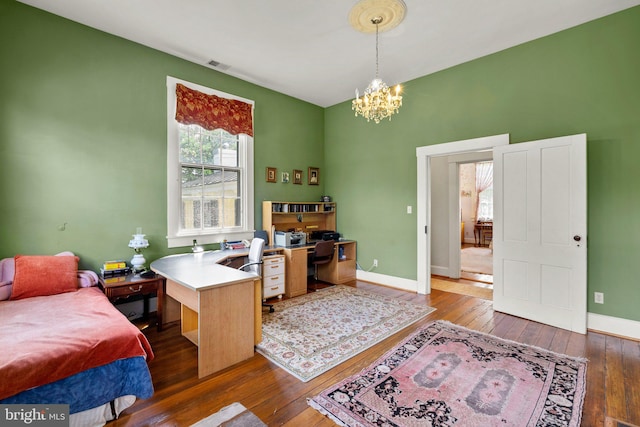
(201,271)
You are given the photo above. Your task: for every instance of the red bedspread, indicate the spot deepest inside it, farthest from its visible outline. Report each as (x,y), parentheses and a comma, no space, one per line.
(45,339)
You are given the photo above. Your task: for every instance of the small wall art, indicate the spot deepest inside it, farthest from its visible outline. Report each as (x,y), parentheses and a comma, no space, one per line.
(297,176)
(285,177)
(314,176)
(271,174)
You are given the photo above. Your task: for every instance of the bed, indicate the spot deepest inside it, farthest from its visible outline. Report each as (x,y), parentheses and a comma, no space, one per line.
(63,342)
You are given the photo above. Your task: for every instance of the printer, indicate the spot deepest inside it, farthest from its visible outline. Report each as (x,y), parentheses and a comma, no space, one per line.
(288,238)
(324,235)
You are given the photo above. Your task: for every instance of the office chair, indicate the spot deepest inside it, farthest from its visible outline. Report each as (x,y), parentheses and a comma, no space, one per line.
(256,252)
(322,254)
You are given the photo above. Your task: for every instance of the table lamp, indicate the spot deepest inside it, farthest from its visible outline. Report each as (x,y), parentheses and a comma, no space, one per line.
(138,243)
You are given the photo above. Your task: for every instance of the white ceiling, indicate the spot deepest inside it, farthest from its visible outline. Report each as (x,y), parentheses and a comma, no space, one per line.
(308,50)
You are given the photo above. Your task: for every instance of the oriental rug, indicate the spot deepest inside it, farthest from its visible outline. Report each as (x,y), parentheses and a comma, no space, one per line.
(446,375)
(310,334)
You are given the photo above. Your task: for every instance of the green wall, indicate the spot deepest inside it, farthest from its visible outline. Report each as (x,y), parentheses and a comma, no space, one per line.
(83,141)
(582,80)
(83,138)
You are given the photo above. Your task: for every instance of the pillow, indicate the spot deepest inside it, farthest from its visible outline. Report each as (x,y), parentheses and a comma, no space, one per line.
(40,275)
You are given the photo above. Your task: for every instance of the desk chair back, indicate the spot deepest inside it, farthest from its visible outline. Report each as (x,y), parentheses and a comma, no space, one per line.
(256,252)
(322,254)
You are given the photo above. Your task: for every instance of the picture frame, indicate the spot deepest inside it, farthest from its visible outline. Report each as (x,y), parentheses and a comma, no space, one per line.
(314,176)
(285,177)
(272,174)
(297,176)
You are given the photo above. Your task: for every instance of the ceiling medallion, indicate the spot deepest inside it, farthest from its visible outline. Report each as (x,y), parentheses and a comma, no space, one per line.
(378,101)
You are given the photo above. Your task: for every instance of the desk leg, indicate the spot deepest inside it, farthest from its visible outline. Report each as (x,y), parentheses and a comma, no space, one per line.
(257,301)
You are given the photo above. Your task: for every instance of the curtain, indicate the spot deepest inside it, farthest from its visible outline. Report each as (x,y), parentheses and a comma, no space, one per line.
(213,112)
(484,180)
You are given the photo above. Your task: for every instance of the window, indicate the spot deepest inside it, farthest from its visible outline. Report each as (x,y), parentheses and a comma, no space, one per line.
(484,191)
(209,179)
(485,207)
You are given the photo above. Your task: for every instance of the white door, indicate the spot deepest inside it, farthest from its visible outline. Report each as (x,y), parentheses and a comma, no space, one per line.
(540,226)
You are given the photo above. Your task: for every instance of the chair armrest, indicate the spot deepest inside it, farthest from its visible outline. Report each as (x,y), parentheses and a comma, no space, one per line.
(250,263)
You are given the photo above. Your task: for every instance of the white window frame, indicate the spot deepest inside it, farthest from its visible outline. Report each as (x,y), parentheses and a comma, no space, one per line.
(175,236)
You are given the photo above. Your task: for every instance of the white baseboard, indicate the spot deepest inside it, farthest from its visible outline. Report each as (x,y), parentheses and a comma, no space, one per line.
(613,325)
(391,281)
(439,270)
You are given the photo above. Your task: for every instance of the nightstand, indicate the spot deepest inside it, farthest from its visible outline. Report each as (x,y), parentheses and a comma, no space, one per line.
(123,287)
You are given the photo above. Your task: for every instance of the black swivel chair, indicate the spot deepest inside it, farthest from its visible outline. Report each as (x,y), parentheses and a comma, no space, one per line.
(322,254)
(256,252)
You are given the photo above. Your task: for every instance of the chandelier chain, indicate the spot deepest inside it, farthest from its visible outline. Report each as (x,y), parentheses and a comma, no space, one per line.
(377,23)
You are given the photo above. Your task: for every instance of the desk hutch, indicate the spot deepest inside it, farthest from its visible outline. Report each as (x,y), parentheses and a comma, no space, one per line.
(308,217)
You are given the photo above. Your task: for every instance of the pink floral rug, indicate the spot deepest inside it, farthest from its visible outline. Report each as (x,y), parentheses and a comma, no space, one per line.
(310,334)
(446,375)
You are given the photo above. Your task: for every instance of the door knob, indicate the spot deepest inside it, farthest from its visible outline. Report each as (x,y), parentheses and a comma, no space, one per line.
(577,238)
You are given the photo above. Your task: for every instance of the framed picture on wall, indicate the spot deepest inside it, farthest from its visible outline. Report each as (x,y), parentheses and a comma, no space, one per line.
(285,177)
(271,174)
(297,176)
(314,176)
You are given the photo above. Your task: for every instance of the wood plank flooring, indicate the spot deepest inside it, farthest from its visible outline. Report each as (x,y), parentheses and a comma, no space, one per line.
(279,399)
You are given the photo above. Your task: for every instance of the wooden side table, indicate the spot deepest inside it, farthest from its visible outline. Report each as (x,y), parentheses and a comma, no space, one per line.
(123,287)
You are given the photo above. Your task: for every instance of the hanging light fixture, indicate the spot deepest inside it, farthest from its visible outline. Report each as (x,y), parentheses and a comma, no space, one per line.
(378,101)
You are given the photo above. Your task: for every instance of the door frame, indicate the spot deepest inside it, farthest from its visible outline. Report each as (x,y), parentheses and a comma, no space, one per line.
(424,155)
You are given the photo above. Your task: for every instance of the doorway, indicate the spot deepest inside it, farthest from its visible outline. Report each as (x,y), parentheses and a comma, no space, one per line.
(425,227)
(476,221)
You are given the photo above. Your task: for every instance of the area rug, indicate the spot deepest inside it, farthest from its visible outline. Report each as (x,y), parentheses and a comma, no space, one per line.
(310,334)
(234,415)
(476,260)
(446,375)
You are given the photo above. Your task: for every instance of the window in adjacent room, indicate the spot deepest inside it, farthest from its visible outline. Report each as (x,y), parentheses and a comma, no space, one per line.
(484,191)
(210,171)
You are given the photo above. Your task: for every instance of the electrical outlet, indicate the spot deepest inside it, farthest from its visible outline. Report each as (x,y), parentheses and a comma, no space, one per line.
(375,262)
(598,297)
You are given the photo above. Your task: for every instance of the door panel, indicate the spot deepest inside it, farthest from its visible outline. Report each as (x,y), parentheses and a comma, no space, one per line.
(539,205)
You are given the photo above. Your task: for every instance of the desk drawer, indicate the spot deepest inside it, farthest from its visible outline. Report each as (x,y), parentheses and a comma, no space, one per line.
(273,289)
(273,266)
(131,289)
(270,281)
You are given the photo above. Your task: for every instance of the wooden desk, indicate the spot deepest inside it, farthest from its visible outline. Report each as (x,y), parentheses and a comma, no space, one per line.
(220,308)
(338,271)
(481,231)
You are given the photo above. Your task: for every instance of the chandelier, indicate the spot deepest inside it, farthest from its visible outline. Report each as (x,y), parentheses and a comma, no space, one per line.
(378,101)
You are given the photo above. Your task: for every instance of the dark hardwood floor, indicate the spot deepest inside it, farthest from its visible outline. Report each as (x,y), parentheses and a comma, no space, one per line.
(180,399)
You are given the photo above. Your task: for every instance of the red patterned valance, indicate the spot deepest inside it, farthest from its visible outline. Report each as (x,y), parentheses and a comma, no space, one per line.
(212,112)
